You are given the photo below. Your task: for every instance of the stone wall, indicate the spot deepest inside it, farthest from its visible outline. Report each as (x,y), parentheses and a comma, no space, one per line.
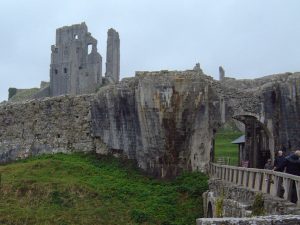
(156,118)
(59,124)
(263,220)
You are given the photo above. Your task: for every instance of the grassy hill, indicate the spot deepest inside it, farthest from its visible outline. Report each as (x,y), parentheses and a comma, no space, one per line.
(83,189)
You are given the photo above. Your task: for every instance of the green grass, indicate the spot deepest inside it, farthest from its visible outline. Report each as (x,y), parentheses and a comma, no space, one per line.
(24,94)
(223,146)
(83,189)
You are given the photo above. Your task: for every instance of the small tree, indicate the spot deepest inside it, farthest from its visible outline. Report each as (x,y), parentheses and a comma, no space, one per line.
(258,208)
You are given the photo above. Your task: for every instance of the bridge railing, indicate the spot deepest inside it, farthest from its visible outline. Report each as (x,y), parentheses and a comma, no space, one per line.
(277,184)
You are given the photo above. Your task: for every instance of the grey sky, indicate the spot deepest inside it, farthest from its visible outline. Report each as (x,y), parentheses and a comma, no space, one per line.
(249,38)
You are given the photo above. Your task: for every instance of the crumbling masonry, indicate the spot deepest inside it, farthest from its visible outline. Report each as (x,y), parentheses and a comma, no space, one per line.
(113,56)
(164,120)
(76,65)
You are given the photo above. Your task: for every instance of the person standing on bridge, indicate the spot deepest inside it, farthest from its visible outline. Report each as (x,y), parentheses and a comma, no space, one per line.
(279,161)
(268,165)
(291,163)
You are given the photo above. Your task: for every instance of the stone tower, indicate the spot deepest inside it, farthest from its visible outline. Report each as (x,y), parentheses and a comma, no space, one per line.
(221,73)
(113,56)
(76,66)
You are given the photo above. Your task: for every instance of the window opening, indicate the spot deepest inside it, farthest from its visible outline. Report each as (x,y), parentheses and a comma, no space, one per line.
(89,49)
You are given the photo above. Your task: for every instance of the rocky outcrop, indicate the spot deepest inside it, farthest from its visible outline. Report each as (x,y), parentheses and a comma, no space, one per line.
(158,118)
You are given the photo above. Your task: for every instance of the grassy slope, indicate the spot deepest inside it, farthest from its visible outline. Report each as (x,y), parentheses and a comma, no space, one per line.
(223,146)
(80,189)
(24,94)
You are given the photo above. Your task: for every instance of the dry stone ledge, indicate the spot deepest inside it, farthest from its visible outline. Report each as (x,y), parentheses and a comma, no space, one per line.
(263,220)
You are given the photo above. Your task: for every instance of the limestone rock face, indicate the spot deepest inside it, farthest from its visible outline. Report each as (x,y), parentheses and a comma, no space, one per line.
(161,119)
(281,111)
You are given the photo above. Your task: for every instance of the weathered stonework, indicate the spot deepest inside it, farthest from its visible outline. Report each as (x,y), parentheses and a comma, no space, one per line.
(275,124)
(165,120)
(262,220)
(221,73)
(76,65)
(113,57)
(73,69)
(152,119)
(59,124)
(238,201)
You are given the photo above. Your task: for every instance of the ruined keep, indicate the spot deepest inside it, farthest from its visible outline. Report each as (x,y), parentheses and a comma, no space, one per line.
(113,56)
(76,65)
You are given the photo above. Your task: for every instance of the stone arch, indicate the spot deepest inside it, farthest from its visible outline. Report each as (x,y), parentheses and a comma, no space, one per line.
(259,141)
(210,212)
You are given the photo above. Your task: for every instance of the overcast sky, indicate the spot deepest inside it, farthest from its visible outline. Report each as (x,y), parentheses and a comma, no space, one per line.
(249,38)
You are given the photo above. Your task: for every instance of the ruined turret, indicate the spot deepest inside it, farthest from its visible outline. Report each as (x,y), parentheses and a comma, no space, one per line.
(113,56)
(221,73)
(197,68)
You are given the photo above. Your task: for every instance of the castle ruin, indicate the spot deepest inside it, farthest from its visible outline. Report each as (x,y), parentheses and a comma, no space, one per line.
(76,64)
(113,56)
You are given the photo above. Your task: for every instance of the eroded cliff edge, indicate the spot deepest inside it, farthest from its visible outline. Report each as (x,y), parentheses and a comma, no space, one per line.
(161,119)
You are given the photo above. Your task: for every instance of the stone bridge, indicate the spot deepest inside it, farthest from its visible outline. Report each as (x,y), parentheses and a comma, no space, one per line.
(234,192)
(238,186)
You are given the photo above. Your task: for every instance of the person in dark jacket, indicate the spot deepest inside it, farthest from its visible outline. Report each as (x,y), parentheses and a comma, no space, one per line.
(279,161)
(291,163)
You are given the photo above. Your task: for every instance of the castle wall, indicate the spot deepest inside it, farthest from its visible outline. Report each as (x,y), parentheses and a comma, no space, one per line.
(164,120)
(59,124)
(281,112)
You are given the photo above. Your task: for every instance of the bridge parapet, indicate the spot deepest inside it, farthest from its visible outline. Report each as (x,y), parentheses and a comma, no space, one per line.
(260,180)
